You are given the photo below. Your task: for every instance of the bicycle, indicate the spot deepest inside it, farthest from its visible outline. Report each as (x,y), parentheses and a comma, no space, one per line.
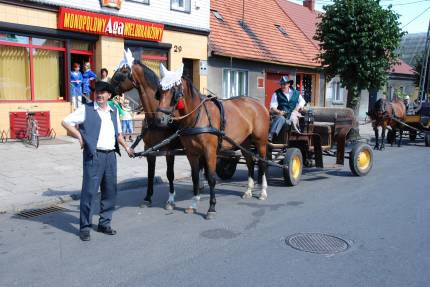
(32,133)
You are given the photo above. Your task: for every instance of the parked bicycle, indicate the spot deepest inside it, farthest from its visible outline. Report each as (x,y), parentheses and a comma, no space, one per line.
(31,136)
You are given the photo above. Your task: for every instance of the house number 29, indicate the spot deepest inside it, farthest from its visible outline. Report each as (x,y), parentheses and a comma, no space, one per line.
(177,49)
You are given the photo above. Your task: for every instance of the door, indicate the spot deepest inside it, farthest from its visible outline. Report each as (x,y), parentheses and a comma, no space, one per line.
(272,84)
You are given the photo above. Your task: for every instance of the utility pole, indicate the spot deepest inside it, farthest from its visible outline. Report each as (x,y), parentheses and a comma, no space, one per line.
(424,69)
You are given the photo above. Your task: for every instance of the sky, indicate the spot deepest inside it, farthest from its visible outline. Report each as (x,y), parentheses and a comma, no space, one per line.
(417,12)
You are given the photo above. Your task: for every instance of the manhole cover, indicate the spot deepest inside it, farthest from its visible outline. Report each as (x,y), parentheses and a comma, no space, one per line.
(317,243)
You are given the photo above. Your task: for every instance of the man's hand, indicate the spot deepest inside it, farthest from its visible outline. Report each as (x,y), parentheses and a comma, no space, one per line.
(129,151)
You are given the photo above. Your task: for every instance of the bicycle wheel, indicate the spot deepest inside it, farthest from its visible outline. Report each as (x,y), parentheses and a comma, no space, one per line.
(34,140)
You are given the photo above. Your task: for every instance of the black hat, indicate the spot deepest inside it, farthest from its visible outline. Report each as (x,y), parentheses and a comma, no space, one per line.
(101,86)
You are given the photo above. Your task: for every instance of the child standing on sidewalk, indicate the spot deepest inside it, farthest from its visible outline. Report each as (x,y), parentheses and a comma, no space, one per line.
(127,119)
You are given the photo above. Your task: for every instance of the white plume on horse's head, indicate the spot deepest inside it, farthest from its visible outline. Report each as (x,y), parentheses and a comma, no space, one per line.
(127,60)
(170,78)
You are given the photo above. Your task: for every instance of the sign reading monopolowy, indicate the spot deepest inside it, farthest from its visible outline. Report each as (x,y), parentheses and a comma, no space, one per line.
(94,23)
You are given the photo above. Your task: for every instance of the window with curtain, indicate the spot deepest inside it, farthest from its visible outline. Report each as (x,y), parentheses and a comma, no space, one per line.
(14,73)
(336,92)
(181,5)
(48,67)
(23,59)
(235,83)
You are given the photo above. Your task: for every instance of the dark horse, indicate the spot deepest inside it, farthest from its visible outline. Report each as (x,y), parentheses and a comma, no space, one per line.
(383,114)
(246,122)
(147,83)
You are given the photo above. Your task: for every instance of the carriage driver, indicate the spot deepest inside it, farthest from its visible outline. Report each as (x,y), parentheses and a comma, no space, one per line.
(285,104)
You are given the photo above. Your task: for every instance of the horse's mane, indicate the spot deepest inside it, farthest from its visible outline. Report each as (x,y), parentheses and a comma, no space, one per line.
(150,75)
(192,88)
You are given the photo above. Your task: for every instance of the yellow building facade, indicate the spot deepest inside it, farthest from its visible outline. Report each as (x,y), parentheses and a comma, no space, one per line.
(36,58)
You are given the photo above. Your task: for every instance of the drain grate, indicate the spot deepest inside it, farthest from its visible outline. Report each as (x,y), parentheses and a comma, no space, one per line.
(317,243)
(40,211)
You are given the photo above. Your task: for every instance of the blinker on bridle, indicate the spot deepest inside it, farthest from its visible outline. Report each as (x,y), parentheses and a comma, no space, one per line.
(176,101)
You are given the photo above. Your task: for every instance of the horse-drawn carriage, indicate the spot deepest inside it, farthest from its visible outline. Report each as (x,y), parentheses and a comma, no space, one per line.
(323,131)
(418,124)
(212,131)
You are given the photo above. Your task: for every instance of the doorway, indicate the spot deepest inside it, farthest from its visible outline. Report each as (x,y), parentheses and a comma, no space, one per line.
(81,58)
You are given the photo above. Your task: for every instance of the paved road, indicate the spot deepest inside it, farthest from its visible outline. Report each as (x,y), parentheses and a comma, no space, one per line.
(385,216)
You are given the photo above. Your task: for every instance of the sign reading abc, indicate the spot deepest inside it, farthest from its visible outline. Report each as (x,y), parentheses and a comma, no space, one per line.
(94,23)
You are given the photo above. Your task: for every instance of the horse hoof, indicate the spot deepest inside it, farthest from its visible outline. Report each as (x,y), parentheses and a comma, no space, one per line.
(190,210)
(262,197)
(146,204)
(247,195)
(169,206)
(210,215)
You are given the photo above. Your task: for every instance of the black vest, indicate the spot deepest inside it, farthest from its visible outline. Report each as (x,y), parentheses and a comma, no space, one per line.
(90,129)
(284,104)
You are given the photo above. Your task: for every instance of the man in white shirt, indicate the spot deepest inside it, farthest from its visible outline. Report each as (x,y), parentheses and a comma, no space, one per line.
(285,104)
(99,135)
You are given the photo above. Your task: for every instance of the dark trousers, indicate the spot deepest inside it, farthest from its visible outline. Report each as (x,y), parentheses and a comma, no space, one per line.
(277,123)
(99,171)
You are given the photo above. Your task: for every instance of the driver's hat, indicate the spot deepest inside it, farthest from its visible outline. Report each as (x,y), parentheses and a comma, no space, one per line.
(285,80)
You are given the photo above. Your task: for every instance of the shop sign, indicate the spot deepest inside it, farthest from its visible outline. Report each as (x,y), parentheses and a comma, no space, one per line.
(94,23)
(111,3)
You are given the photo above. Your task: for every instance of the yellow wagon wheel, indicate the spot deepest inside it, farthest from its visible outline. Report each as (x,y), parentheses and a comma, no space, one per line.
(293,166)
(361,159)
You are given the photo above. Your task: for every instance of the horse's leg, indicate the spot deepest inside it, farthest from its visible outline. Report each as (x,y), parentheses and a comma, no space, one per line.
(401,134)
(393,131)
(382,138)
(250,165)
(375,128)
(210,155)
(147,201)
(262,167)
(170,160)
(195,170)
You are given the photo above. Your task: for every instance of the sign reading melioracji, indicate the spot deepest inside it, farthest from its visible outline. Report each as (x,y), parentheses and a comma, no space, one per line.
(102,24)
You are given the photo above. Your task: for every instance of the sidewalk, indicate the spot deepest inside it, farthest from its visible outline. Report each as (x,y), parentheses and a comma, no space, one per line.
(52,173)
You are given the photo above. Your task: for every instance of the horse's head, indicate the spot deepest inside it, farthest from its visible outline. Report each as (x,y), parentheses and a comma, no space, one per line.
(122,80)
(379,109)
(170,102)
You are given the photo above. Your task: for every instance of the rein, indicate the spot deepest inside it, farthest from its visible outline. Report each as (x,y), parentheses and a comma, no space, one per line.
(190,113)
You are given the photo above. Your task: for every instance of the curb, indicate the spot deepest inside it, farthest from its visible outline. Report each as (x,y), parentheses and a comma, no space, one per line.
(123,186)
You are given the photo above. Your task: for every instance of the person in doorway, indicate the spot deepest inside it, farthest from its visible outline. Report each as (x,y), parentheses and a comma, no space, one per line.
(127,119)
(87,76)
(99,135)
(285,105)
(76,86)
(104,75)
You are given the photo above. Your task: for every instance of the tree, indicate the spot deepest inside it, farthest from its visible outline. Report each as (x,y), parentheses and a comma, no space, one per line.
(358,41)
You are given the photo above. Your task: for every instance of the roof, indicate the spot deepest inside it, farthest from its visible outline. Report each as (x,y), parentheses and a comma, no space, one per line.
(258,38)
(303,17)
(402,68)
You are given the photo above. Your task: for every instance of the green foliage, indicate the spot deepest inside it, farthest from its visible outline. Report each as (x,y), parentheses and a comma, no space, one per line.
(358,41)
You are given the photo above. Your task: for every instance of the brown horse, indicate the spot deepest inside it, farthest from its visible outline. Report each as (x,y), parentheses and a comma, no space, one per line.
(246,122)
(147,83)
(383,114)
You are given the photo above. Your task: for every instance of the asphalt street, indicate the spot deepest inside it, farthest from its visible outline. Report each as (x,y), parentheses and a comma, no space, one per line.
(384,217)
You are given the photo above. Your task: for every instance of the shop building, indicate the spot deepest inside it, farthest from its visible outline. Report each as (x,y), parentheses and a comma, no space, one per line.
(41,40)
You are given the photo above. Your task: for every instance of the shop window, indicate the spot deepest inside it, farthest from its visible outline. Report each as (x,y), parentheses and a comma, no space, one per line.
(181,5)
(14,73)
(48,74)
(235,83)
(31,69)
(80,45)
(152,58)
